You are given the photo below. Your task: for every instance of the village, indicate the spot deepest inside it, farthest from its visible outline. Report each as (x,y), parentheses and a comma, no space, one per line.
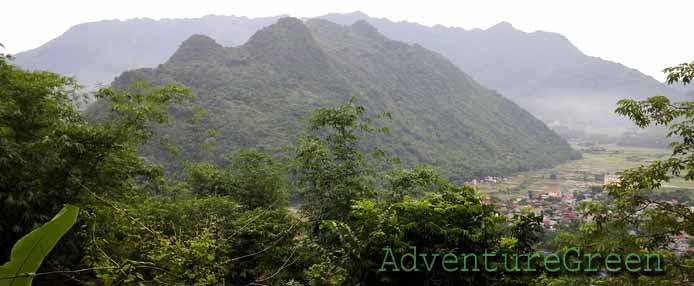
(557,203)
(556,194)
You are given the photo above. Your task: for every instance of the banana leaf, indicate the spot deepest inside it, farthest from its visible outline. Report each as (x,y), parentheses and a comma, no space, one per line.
(28,253)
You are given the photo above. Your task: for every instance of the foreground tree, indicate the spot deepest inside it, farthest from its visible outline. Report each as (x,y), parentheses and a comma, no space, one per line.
(636,221)
(252,178)
(4,56)
(28,253)
(330,167)
(50,154)
(224,224)
(257,180)
(361,210)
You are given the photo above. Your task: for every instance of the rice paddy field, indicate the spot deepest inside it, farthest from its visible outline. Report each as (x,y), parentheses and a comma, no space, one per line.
(583,173)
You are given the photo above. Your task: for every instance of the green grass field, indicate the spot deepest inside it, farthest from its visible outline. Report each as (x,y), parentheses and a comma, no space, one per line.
(580,173)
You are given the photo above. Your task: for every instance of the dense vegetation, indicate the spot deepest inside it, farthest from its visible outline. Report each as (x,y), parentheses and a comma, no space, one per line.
(640,218)
(227,221)
(256,93)
(220,224)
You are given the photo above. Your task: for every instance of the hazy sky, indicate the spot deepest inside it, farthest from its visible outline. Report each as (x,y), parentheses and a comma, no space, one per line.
(646,35)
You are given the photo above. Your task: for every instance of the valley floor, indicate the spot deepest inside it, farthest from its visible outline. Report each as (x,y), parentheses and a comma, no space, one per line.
(597,162)
(557,192)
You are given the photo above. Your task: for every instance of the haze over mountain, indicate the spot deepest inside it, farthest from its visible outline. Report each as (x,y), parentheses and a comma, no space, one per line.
(257,92)
(686,89)
(97,52)
(541,71)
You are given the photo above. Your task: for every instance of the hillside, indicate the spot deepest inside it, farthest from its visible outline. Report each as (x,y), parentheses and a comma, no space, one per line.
(97,52)
(541,71)
(256,93)
(688,90)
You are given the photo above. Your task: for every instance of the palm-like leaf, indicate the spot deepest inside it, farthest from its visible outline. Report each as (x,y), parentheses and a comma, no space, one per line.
(28,253)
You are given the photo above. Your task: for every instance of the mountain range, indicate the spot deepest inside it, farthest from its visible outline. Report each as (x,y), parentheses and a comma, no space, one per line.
(688,90)
(257,92)
(97,52)
(541,71)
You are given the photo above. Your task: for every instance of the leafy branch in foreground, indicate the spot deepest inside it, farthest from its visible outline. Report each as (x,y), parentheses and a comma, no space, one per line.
(683,72)
(330,168)
(4,56)
(636,220)
(28,253)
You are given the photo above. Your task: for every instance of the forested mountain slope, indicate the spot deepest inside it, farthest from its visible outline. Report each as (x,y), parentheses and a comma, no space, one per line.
(257,92)
(541,71)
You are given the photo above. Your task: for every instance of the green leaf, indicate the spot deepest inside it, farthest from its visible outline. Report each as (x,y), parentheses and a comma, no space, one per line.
(28,253)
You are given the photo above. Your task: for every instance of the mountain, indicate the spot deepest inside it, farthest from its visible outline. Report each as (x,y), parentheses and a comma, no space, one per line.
(688,90)
(257,92)
(541,71)
(97,52)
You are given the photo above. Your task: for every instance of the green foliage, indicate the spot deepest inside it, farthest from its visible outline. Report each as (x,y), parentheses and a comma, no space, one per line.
(361,210)
(47,150)
(51,154)
(448,219)
(257,181)
(220,225)
(331,172)
(634,201)
(637,220)
(28,253)
(326,273)
(252,178)
(414,183)
(527,230)
(4,56)
(208,180)
(134,109)
(682,73)
(226,221)
(184,239)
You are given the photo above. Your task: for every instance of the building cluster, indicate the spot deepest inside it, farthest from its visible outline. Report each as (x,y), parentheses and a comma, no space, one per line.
(559,206)
(488,179)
